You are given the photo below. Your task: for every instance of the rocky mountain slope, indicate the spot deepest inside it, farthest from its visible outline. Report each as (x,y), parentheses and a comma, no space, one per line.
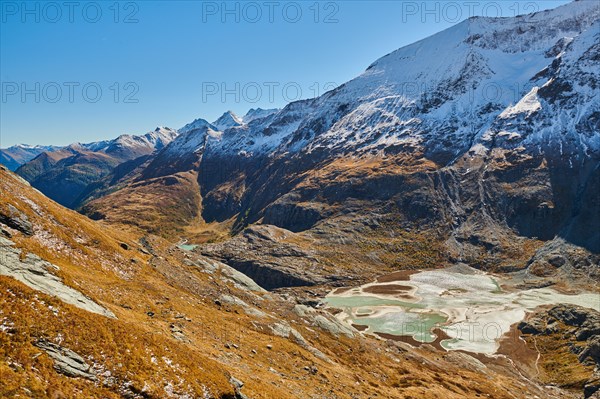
(568,338)
(91,312)
(479,144)
(64,174)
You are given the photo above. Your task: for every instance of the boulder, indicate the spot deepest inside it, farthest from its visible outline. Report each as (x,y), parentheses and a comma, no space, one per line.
(16,220)
(334,327)
(35,273)
(66,361)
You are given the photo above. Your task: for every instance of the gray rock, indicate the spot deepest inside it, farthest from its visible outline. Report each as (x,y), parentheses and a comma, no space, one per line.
(304,311)
(34,272)
(335,327)
(17,220)
(590,391)
(5,232)
(591,351)
(240,280)
(557,260)
(249,310)
(237,384)
(284,330)
(529,327)
(465,361)
(146,247)
(66,361)
(260,253)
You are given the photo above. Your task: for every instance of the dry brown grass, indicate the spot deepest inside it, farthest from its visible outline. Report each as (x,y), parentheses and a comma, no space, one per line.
(163,206)
(557,364)
(344,169)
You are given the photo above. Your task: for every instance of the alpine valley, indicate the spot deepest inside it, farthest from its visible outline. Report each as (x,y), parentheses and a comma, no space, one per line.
(334,248)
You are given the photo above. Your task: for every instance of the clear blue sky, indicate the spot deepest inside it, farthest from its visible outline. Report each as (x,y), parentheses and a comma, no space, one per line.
(170,62)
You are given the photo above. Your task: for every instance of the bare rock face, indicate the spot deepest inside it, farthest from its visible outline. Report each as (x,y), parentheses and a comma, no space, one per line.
(586,322)
(17,220)
(583,324)
(66,361)
(35,273)
(559,258)
(259,253)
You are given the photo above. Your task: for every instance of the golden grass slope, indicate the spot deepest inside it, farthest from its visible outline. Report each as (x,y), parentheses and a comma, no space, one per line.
(163,205)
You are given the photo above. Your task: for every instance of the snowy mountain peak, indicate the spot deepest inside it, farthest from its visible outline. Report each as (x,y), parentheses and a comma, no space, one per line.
(258,113)
(196,124)
(227,120)
(154,140)
(160,137)
(27,147)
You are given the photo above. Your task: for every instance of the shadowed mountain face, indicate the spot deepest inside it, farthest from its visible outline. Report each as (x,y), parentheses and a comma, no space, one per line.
(17,155)
(485,136)
(64,174)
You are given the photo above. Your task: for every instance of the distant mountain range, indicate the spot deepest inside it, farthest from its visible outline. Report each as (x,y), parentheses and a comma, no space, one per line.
(64,173)
(17,155)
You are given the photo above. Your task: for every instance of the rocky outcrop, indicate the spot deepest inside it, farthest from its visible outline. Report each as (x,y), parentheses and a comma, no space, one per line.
(583,323)
(560,259)
(35,273)
(240,280)
(260,253)
(333,326)
(66,361)
(235,301)
(325,321)
(17,220)
(283,329)
(237,389)
(296,216)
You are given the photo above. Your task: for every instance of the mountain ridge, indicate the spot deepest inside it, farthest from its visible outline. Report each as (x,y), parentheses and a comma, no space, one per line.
(65,173)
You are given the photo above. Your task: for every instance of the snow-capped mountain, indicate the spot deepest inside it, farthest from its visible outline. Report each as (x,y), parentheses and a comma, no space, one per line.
(463,88)
(442,95)
(228,120)
(512,93)
(258,113)
(149,142)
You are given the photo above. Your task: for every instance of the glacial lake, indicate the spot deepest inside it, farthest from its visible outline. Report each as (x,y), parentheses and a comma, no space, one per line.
(187,247)
(471,309)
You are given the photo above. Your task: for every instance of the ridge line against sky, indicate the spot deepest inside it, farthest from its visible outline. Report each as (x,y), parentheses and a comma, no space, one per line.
(102,69)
